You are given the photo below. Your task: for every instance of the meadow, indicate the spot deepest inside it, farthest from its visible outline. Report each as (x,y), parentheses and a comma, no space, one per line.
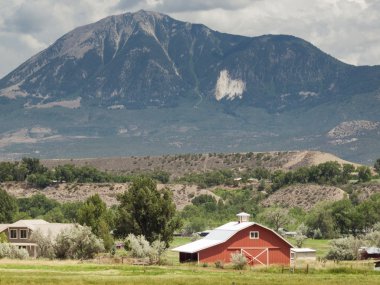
(97,272)
(69,272)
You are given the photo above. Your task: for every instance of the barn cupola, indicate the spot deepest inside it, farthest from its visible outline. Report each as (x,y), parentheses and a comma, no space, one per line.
(243,217)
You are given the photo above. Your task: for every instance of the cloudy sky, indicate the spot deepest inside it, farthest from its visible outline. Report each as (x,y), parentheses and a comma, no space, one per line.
(346,29)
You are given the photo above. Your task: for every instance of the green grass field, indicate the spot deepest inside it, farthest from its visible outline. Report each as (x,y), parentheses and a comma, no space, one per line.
(77,272)
(70,272)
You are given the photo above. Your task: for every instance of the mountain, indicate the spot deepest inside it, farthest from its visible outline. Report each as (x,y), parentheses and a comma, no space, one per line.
(144,83)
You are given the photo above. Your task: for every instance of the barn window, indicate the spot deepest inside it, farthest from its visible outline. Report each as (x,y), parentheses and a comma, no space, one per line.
(13,234)
(254,235)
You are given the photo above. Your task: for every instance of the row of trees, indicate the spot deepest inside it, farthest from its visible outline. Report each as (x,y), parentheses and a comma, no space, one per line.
(32,171)
(330,173)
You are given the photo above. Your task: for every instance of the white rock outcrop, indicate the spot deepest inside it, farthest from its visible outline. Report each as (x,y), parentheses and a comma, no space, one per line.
(228,88)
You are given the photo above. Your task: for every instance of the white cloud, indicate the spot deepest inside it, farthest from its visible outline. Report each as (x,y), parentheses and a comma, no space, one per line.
(346,29)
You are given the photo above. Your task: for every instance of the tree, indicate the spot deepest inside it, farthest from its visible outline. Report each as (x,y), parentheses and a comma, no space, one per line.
(37,205)
(93,213)
(144,210)
(341,213)
(8,207)
(364,174)
(320,219)
(276,217)
(377,166)
(33,166)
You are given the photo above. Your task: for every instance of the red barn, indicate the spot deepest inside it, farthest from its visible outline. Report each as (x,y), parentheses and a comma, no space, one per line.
(259,244)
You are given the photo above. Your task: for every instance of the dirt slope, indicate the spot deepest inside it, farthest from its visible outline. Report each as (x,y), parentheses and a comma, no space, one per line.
(305,196)
(71,192)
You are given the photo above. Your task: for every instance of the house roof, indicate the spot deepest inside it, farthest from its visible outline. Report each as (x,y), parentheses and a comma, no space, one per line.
(243,214)
(3,227)
(52,229)
(219,236)
(48,229)
(28,223)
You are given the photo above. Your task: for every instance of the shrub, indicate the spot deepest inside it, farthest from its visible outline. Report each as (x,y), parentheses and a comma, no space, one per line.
(299,239)
(219,264)
(44,244)
(11,251)
(139,247)
(239,261)
(3,238)
(344,249)
(317,234)
(77,243)
(373,239)
(157,251)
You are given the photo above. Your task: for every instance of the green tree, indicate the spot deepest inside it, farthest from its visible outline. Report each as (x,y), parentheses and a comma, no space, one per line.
(320,218)
(37,205)
(93,213)
(364,174)
(144,210)
(8,207)
(341,212)
(39,180)
(33,166)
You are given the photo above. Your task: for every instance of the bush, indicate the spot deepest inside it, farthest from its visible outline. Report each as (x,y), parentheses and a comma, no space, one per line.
(11,251)
(219,264)
(344,249)
(139,247)
(373,239)
(158,249)
(77,243)
(3,238)
(44,244)
(299,239)
(239,261)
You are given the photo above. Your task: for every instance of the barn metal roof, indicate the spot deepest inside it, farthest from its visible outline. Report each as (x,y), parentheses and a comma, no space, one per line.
(218,236)
(215,237)
(372,250)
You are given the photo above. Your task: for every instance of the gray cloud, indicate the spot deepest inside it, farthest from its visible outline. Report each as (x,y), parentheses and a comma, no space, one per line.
(346,29)
(26,18)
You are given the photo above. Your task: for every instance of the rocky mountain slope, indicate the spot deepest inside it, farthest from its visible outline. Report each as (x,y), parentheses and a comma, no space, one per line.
(144,83)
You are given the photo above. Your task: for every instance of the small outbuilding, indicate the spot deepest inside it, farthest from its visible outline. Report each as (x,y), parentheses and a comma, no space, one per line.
(259,244)
(369,252)
(297,254)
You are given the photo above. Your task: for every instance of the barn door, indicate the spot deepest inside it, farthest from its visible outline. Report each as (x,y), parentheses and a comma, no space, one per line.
(257,256)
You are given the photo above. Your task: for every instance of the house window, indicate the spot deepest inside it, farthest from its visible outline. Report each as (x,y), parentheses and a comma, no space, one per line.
(13,234)
(23,234)
(254,235)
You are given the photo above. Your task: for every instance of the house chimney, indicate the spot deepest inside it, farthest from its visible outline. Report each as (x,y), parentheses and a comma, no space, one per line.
(243,217)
